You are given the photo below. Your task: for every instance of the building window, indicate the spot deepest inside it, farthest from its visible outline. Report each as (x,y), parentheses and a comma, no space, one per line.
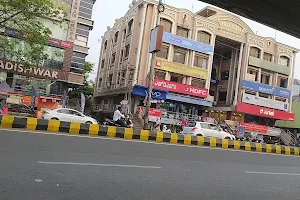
(265,78)
(282,82)
(255,52)
(113,58)
(124,34)
(198,82)
(224,75)
(201,61)
(167,24)
(203,37)
(223,96)
(280,99)
(268,57)
(183,32)
(121,57)
(176,78)
(127,50)
(160,75)
(264,95)
(164,52)
(179,55)
(283,60)
(102,64)
(116,37)
(130,26)
(253,71)
(105,45)
(250,92)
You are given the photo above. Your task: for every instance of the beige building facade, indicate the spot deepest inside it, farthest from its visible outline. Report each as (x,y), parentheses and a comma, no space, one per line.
(211,64)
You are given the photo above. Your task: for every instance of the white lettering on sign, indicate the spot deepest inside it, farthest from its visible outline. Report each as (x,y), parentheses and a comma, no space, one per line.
(165,85)
(196,91)
(267,112)
(73,20)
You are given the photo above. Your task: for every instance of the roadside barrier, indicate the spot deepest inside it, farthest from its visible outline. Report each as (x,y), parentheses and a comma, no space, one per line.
(8,121)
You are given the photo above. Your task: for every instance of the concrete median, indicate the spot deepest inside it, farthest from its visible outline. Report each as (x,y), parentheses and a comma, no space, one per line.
(144,135)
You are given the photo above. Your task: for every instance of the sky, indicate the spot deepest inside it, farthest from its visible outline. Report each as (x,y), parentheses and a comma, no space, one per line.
(105,12)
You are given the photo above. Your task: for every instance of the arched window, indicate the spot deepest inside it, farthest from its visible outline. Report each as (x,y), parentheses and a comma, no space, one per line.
(203,37)
(116,37)
(105,45)
(283,60)
(130,26)
(255,52)
(167,24)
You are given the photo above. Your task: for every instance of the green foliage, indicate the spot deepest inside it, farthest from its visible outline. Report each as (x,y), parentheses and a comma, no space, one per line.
(21,19)
(87,87)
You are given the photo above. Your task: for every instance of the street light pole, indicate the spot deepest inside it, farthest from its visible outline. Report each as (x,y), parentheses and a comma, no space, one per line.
(160,8)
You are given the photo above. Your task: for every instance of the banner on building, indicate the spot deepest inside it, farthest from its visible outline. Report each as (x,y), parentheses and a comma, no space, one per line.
(82,103)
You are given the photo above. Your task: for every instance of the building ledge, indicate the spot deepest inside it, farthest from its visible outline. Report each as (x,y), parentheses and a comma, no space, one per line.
(80,49)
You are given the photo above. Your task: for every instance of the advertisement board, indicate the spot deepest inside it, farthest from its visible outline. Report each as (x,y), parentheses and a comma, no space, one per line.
(264,112)
(269,103)
(141,90)
(181,69)
(187,43)
(180,88)
(255,127)
(191,100)
(154,113)
(267,89)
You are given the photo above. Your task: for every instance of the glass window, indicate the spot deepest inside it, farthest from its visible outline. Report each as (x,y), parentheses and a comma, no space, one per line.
(198,82)
(178,78)
(183,32)
(282,82)
(85,10)
(160,74)
(255,52)
(76,113)
(124,34)
(58,30)
(264,95)
(167,24)
(64,111)
(203,37)
(214,127)
(191,124)
(224,75)
(179,55)
(127,50)
(283,60)
(265,78)
(254,72)
(164,52)
(113,58)
(201,61)
(222,96)
(105,45)
(130,26)
(85,15)
(116,37)
(86,4)
(268,57)
(204,125)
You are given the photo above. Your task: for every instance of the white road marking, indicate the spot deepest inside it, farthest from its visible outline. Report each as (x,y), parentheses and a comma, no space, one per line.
(140,141)
(271,173)
(96,164)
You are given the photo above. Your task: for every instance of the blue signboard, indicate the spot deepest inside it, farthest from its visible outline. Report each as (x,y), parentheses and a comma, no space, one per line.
(267,89)
(187,99)
(141,90)
(187,43)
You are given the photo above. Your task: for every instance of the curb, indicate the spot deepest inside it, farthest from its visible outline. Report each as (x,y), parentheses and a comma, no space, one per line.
(75,128)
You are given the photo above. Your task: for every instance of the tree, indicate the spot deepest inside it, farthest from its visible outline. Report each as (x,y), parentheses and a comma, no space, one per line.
(87,87)
(21,20)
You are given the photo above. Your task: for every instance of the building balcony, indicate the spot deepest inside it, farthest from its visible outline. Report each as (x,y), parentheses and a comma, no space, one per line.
(104,108)
(269,66)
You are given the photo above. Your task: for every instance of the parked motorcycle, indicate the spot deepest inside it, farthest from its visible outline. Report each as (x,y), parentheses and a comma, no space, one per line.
(128,123)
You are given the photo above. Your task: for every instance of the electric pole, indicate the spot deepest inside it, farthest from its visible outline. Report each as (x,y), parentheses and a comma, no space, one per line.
(160,8)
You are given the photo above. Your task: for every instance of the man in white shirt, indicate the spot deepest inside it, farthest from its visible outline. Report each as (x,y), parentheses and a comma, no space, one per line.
(117,117)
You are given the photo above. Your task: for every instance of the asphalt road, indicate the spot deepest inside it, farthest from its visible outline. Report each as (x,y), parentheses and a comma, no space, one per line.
(39,166)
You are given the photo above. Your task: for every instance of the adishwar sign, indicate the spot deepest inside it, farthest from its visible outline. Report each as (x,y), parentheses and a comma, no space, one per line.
(34,71)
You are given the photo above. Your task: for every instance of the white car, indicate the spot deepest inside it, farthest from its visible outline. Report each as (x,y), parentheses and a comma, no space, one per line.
(67,115)
(206,130)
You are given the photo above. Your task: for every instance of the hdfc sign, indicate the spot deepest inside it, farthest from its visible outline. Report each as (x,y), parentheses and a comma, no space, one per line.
(180,88)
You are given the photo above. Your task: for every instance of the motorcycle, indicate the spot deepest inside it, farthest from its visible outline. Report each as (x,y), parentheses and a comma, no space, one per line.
(127,122)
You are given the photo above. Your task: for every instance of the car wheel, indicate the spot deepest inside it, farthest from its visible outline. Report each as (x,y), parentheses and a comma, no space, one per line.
(88,122)
(200,135)
(54,118)
(228,138)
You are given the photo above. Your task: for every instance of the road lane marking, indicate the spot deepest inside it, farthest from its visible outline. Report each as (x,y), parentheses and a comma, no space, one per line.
(97,164)
(271,173)
(141,141)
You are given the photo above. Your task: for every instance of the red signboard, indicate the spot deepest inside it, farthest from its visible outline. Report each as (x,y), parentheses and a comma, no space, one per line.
(264,112)
(255,127)
(180,88)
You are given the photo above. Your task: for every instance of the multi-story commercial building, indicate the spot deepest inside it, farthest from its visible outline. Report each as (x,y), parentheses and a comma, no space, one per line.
(211,64)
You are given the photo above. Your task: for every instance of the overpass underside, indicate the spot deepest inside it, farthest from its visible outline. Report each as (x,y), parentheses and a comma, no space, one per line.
(283,15)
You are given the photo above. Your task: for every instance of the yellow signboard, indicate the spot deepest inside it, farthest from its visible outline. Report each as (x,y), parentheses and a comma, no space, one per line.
(181,69)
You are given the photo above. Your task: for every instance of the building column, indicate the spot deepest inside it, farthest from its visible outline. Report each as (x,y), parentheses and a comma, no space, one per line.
(238,75)
(210,63)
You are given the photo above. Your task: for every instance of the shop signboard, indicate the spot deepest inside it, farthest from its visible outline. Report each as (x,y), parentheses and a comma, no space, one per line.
(154,113)
(141,90)
(186,99)
(264,112)
(180,88)
(76,78)
(181,69)
(250,77)
(187,43)
(255,128)
(269,103)
(33,71)
(267,89)
(73,20)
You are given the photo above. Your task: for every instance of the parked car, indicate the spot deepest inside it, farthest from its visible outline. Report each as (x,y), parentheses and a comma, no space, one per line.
(206,129)
(67,115)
